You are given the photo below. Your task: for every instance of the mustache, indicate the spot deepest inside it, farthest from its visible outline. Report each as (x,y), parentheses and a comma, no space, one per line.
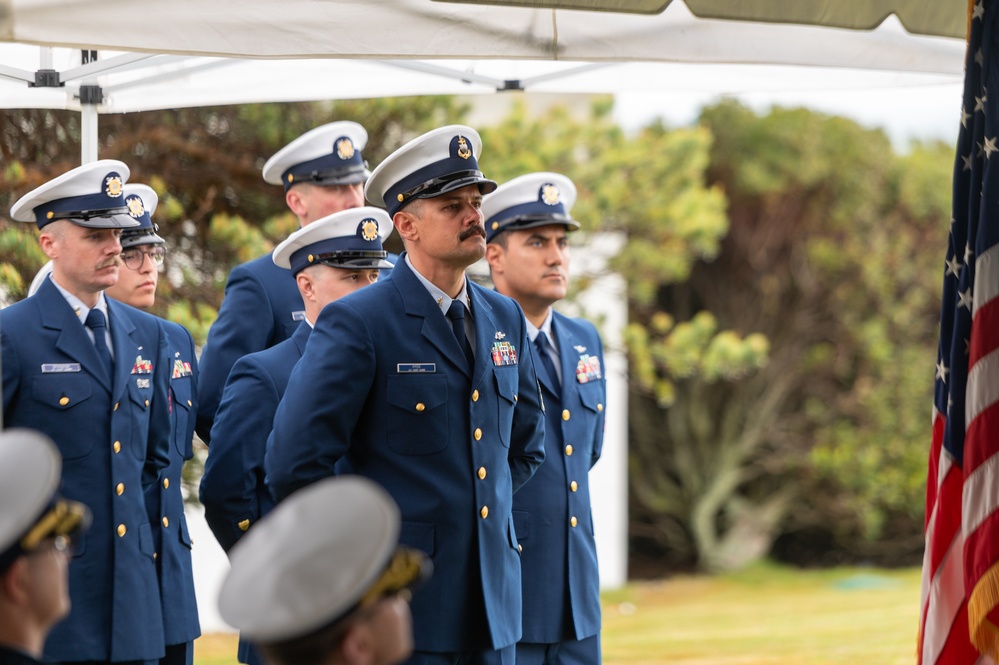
(113,261)
(476,230)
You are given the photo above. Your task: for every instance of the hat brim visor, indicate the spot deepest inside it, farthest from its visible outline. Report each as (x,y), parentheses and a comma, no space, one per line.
(136,238)
(486,186)
(64,518)
(407,569)
(534,221)
(108,222)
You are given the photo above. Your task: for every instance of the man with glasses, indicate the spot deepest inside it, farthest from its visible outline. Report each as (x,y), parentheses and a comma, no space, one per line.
(92,374)
(143,252)
(322,172)
(37,527)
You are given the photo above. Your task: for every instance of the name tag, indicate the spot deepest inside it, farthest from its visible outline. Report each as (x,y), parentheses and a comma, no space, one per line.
(298,316)
(142,383)
(416,368)
(60,367)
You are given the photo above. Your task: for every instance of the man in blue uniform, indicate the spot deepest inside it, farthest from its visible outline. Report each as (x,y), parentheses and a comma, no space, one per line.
(37,528)
(528,254)
(329,258)
(425,383)
(143,252)
(322,172)
(91,373)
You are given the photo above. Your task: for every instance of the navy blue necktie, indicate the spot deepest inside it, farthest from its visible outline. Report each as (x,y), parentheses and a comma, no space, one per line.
(542,346)
(456,314)
(98,325)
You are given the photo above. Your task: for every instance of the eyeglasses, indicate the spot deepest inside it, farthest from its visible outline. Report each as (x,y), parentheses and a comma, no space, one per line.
(134,257)
(60,544)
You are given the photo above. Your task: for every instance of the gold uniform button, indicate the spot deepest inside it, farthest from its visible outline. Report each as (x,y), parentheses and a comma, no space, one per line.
(166,483)
(116,447)
(475,395)
(477,434)
(484,512)
(572,521)
(482,473)
(520,548)
(568,449)
(63,401)
(189,403)
(121,530)
(116,405)
(120,489)
(155,555)
(147,404)
(573,486)
(420,406)
(243,524)
(600,407)
(565,414)
(516,397)
(166,522)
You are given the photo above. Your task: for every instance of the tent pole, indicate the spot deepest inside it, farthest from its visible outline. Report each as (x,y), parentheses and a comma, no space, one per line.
(88,133)
(90,96)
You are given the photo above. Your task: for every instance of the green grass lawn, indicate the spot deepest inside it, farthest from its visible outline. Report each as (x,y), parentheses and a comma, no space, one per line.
(764,616)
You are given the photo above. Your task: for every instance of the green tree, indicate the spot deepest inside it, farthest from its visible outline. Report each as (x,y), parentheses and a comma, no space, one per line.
(828,258)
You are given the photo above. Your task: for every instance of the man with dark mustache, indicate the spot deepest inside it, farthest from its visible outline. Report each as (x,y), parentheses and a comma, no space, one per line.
(425,382)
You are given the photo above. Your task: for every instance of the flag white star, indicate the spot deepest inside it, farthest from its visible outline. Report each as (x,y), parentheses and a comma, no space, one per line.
(964,117)
(967,159)
(980,102)
(978,12)
(953,266)
(942,371)
(990,146)
(964,299)
(968,253)
(979,58)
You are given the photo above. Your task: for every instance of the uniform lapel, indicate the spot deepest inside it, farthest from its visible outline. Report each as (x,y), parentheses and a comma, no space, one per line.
(418,303)
(56,314)
(126,349)
(565,342)
(485,330)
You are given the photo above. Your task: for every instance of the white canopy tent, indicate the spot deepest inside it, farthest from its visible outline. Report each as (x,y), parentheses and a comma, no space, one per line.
(174,53)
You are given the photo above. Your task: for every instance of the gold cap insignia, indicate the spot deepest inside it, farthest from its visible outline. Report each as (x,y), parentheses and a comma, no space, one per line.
(400,197)
(345,148)
(550,194)
(113,186)
(495,225)
(291,177)
(463,150)
(311,258)
(135,207)
(369,229)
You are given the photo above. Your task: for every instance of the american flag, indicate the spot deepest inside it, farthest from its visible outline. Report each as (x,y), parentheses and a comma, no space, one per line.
(959,620)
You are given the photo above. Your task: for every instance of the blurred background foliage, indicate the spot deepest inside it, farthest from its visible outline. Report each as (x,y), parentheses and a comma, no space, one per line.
(783,274)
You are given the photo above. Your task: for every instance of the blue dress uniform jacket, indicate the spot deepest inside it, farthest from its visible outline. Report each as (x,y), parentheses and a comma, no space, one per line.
(232,487)
(559,558)
(113,440)
(180,608)
(384,384)
(261,307)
